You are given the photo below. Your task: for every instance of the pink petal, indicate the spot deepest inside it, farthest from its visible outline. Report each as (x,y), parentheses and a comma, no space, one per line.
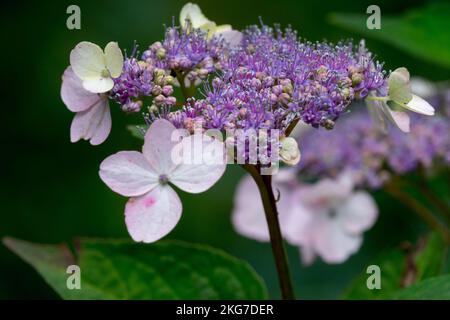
(399,118)
(324,194)
(358,213)
(74,96)
(153,215)
(128,173)
(232,37)
(248,213)
(160,140)
(93,124)
(202,164)
(308,255)
(297,221)
(331,242)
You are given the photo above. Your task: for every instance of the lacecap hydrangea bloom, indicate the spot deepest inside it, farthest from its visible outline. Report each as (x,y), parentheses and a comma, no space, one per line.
(261,82)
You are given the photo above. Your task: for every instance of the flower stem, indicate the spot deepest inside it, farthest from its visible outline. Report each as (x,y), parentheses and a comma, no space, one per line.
(264,183)
(378,98)
(187,92)
(419,209)
(432,197)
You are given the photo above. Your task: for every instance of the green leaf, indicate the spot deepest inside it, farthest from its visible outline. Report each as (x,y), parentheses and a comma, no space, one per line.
(136,131)
(116,269)
(437,288)
(391,264)
(430,260)
(401,267)
(422,32)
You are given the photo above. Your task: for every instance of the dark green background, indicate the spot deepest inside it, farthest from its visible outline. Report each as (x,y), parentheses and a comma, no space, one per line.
(50,189)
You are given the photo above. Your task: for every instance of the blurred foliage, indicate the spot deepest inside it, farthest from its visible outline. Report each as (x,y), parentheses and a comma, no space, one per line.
(50,190)
(437,288)
(423,32)
(402,266)
(118,269)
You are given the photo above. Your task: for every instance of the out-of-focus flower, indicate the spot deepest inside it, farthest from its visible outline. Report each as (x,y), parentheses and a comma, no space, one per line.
(399,97)
(93,118)
(96,68)
(248,216)
(328,219)
(325,219)
(154,208)
(356,144)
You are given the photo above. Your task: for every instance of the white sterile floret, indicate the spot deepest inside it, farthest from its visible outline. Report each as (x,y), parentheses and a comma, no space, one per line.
(96,68)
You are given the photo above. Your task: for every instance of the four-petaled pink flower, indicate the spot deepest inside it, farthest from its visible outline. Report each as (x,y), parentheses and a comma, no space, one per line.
(154,208)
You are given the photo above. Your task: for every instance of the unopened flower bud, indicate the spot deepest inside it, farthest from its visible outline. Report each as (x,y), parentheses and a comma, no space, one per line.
(357,78)
(156,90)
(159,100)
(170,101)
(132,106)
(153,109)
(167,90)
(284,98)
(161,53)
(289,153)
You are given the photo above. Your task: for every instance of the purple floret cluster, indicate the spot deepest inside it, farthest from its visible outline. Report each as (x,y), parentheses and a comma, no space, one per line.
(185,55)
(272,79)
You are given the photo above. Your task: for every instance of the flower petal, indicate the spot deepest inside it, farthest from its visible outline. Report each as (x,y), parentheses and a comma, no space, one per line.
(399,86)
(153,215)
(308,255)
(87,60)
(331,243)
(358,213)
(224,28)
(93,124)
(202,164)
(248,213)
(399,118)
(376,112)
(194,14)
(128,173)
(324,194)
(160,140)
(232,37)
(98,84)
(74,96)
(114,59)
(419,105)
